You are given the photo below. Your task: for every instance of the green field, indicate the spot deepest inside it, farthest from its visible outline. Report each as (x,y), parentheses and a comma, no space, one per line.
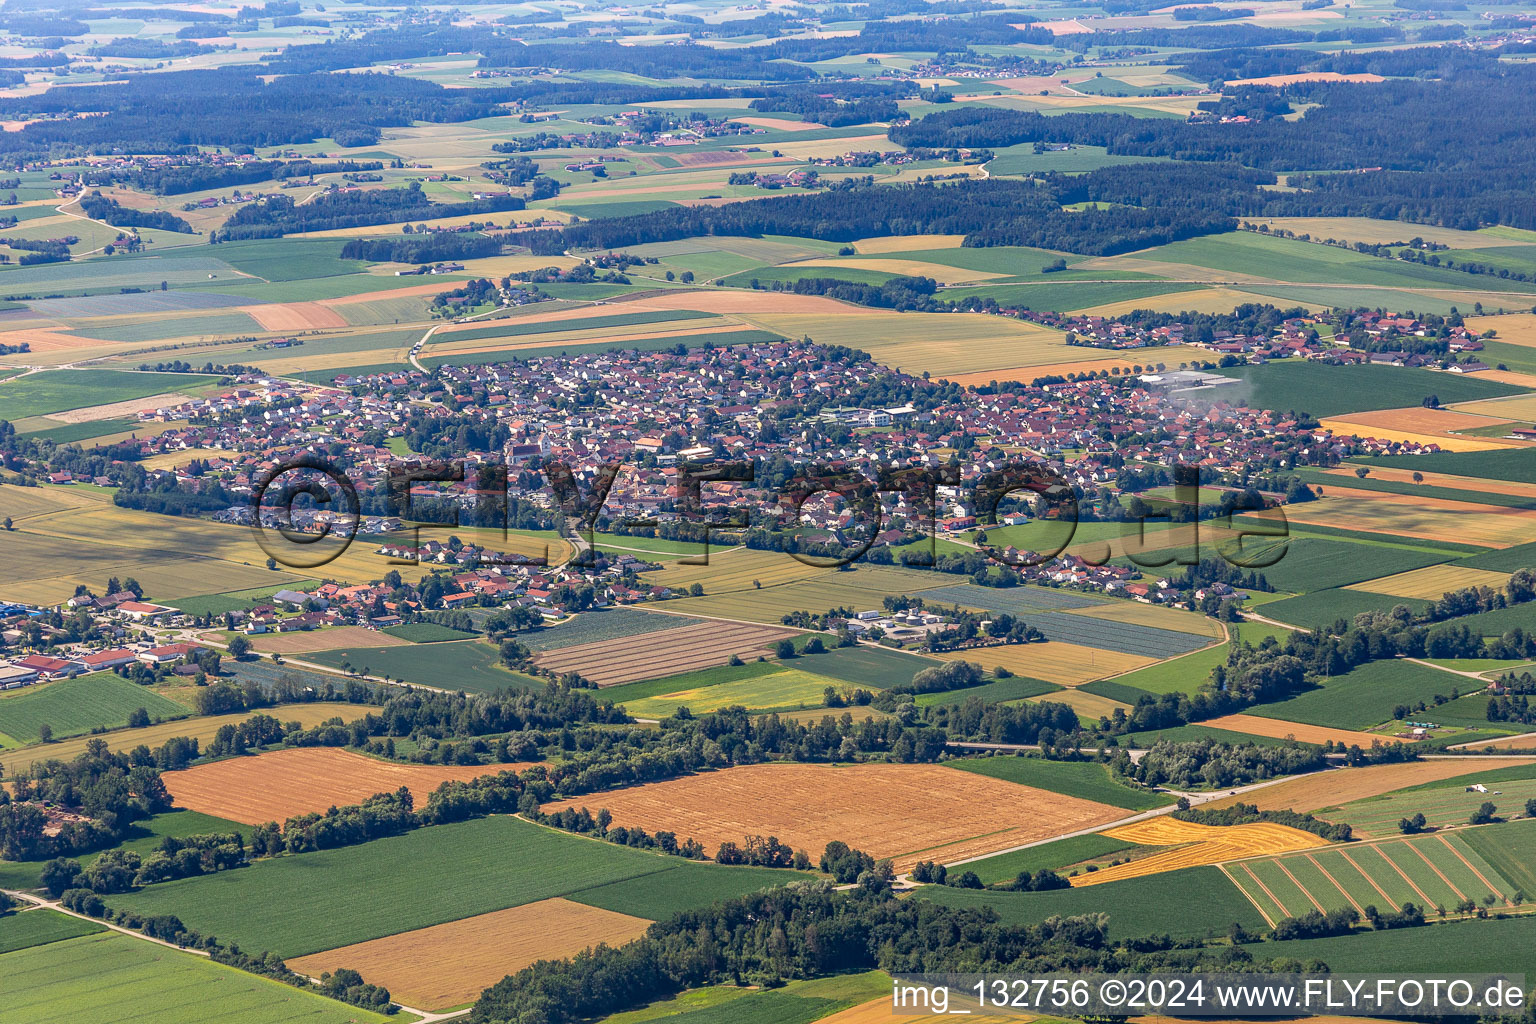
(1370,483)
(1292,385)
(1062,853)
(1291,260)
(50,391)
(514,329)
(471,666)
(101,700)
(1460,947)
(92,979)
(315,901)
(1087,780)
(70,432)
(1510,848)
(1321,609)
(995,692)
(427,633)
(290,259)
(1193,902)
(1067,295)
(871,666)
(1522,556)
(1365,696)
(141,837)
(1516,464)
(1499,621)
(221,324)
(1430,872)
(687,884)
(23,929)
(1022,159)
(1308,564)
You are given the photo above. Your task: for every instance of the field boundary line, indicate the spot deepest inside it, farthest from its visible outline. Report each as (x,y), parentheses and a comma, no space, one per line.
(1453,887)
(1329,875)
(1279,863)
(1260,883)
(1427,901)
(1366,875)
(1473,868)
(1247,895)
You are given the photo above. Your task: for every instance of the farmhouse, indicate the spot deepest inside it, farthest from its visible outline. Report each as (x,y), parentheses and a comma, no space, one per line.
(50,668)
(167,654)
(109,659)
(140,611)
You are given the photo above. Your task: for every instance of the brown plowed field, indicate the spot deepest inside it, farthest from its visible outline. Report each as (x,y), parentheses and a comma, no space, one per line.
(323,640)
(294,316)
(1342,785)
(650,656)
(1253,725)
(279,784)
(905,812)
(451,964)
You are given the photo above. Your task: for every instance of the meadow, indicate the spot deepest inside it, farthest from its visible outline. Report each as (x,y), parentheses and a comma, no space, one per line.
(427,633)
(1365,696)
(316,901)
(101,700)
(1441,806)
(1086,779)
(866,665)
(89,980)
(1184,674)
(787,688)
(38,394)
(471,665)
(1192,903)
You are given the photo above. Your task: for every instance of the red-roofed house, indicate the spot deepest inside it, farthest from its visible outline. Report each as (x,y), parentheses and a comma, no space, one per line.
(168,653)
(109,659)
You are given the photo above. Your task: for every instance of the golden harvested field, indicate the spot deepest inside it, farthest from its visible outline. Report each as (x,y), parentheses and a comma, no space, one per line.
(736,568)
(451,964)
(331,639)
(1432,582)
(1408,515)
(200,728)
(771,604)
(942,343)
(1339,786)
(1521,408)
(1089,706)
(1512,328)
(1152,615)
(1203,300)
(1422,427)
(664,653)
(279,784)
(905,812)
(1207,844)
(170,460)
(112,410)
(51,552)
(907,243)
(1276,729)
(1053,661)
(602,338)
(294,316)
(742,301)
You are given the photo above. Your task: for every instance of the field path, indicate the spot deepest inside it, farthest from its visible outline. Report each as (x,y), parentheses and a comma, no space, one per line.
(1248,895)
(1480,876)
(1329,875)
(1367,875)
(1452,885)
(1297,882)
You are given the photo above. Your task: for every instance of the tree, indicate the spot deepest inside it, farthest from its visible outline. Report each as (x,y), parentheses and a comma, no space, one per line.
(59,874)
(138,718)
(1484,814)
(239,647)
(1413,825)
(1362,472)
(815,646)
(45,733)
(1418,477)
(785,649)
(696,590)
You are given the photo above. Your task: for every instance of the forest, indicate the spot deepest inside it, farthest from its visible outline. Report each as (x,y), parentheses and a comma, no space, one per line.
(1467,163)
(279,215)
(987,212)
